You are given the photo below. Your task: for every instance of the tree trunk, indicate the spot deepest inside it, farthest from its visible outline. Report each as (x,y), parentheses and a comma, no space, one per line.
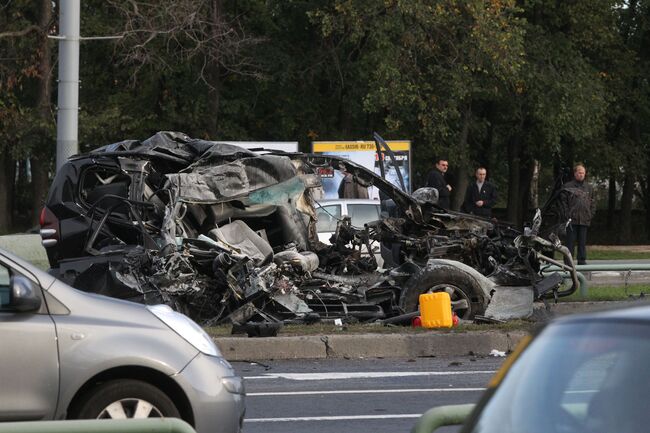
(514,201)
(534,185)
(644,197)
(646,203)
(344,114)
(611,201)
(625,234)
(462,172)
(525,180)
(214,91)
(462,180)
(41,155)
(40,168)
(6,193)
(487,155)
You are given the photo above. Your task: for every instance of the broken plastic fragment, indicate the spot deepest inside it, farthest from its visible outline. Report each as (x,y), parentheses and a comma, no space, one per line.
(278,194)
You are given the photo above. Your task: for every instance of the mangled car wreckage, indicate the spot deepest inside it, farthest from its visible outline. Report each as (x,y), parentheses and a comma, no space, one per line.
(226,235)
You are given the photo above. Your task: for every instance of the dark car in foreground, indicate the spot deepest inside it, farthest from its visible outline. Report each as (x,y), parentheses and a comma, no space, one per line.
(227,235)
(66,354)
(582,374)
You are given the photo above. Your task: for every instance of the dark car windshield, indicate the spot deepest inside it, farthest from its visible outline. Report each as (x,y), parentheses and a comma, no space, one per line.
(589,377)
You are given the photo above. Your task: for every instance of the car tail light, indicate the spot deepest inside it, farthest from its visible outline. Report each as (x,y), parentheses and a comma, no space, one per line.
(49,228)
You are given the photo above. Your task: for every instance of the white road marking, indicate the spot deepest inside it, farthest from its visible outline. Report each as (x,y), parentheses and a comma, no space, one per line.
(362,391)
(334,418)
(364,375)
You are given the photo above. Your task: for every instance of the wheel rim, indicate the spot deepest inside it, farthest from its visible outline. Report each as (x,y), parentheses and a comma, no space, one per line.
(130,408)
(460,302)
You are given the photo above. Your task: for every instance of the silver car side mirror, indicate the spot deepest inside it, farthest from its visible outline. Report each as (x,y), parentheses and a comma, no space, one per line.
(24,295)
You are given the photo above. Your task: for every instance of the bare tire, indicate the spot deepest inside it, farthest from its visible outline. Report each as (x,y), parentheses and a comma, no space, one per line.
(123,399)
(467,299)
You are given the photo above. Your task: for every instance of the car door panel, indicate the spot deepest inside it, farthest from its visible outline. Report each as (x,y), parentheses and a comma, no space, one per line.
(29,365)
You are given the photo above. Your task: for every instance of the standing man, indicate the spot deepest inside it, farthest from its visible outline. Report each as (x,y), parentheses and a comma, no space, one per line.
(580,204)
(437,180)
(480,196)
(350,188)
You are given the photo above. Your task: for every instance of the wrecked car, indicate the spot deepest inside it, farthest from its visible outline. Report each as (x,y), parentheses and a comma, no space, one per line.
(226,235)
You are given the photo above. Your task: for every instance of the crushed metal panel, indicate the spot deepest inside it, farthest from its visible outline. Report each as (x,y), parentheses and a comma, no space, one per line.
(212,185)
(292,303)
(231,180)
(509,303)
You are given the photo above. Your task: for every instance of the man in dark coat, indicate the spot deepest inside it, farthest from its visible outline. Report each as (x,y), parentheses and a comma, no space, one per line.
(350,188)
(579,204)
(480,196)
(437,180)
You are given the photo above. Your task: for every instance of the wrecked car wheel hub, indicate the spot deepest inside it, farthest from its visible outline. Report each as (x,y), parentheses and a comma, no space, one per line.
(460,303)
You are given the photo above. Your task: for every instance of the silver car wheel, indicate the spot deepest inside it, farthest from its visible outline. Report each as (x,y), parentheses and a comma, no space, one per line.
(460,302)
(130,408)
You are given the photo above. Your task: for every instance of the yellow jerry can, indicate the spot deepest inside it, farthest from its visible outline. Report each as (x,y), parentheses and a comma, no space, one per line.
(435,310)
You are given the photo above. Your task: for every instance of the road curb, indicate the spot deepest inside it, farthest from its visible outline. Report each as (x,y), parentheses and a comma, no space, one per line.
(368,345)
(400,345)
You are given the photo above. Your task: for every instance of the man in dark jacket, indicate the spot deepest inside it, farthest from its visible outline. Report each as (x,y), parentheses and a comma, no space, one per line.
(350,188)
(579,204)
(437,180)
(480,196)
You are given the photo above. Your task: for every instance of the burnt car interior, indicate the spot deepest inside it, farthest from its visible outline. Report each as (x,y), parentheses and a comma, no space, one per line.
(227,235)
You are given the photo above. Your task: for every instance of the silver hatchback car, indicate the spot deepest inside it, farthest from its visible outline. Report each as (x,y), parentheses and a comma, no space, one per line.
(66,354)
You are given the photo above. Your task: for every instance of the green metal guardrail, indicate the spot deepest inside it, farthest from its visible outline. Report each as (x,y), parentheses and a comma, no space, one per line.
(442,416)
(601,267)
(148,425)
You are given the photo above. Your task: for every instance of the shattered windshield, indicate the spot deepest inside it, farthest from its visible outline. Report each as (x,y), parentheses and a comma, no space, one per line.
(575,378)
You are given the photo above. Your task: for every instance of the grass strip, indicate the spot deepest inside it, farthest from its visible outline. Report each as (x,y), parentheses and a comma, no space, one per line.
(597,254)
(610,293)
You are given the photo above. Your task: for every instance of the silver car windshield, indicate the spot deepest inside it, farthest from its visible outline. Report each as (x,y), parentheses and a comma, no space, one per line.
(584,377)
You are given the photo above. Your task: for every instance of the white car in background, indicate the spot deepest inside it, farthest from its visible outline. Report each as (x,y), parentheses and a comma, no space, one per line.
(360,211)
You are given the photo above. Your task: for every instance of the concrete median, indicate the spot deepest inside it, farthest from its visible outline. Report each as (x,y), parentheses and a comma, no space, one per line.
(368,345)
(397,345)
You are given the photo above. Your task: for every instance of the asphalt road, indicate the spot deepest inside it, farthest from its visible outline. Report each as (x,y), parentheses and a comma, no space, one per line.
(372,395)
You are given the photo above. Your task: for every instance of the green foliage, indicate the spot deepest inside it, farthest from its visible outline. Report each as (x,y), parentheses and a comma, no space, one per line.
(558,81)
(428,62)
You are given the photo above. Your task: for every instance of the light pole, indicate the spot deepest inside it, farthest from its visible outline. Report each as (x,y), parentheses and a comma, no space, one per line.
(67,142)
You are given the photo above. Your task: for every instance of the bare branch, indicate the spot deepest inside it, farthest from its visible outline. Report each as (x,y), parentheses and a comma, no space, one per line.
(23,32)
(160,33)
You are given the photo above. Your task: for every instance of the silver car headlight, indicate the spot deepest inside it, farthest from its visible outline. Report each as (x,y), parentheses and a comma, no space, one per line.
(189,330)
